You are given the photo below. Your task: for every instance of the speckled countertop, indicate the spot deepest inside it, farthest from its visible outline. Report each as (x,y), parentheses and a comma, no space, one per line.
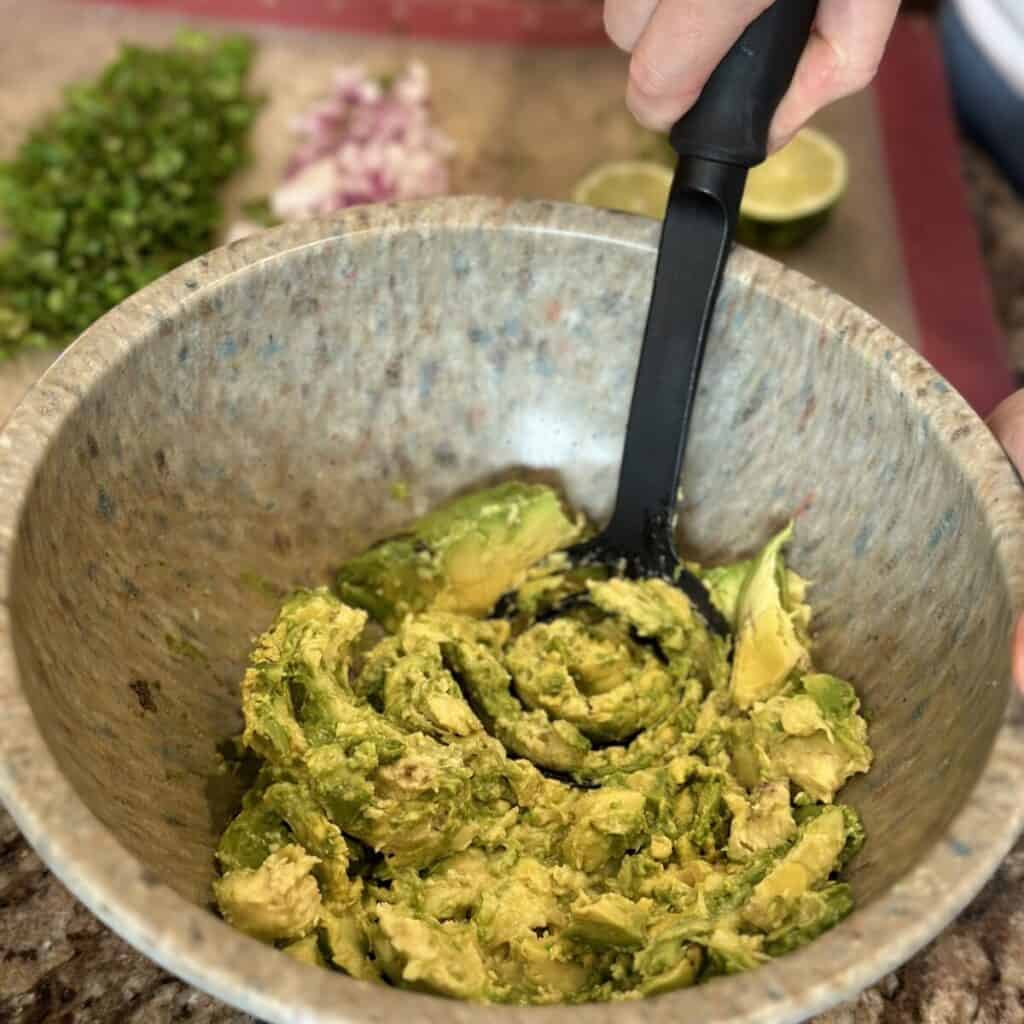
(59,964)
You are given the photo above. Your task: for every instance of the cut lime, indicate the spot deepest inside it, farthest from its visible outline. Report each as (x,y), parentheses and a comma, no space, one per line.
(633,186)
(793,192)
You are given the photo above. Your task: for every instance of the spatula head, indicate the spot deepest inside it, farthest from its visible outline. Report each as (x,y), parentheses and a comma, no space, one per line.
(660,561)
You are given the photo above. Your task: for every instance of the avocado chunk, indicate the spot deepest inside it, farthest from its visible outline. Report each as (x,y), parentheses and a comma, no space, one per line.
(252,836)
(607,822)
(673,957)
(461,557)
(306,951)
(761,822)
(660,612)
(278,900)
(305,655)
(551,972)
(441,958)
(562,668)
(519,905)
(815,738)
(346,935)
(808,863)
(811,914)
(731,952)
(611,921)
(547,742)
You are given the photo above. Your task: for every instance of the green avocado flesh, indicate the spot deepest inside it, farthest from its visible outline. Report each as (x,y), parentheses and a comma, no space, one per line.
(606,804)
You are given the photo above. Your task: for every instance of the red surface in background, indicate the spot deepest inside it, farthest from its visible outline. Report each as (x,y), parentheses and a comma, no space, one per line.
(526,22)
(949,284)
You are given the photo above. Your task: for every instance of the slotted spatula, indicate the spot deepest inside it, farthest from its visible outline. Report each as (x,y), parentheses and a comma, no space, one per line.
(718,141)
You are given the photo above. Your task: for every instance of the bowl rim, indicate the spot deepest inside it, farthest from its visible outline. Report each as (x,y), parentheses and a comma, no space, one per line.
(179,935)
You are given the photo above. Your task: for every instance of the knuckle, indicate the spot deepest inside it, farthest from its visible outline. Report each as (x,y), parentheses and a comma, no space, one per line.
(861,76)
(647,80)
(650,84)
(842,76)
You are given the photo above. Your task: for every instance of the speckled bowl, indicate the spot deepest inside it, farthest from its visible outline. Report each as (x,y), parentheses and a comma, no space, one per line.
(239,426)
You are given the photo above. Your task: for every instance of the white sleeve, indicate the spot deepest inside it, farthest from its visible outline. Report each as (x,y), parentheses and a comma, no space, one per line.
(997,26)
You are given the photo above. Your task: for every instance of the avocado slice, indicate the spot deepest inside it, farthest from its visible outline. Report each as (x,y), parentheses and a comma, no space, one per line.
(769,620)
(460,558)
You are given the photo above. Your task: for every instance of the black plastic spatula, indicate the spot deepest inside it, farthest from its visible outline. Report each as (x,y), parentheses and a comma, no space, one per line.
(718,141)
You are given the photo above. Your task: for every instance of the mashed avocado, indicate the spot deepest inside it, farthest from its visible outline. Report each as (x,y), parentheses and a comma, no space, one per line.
(603,804)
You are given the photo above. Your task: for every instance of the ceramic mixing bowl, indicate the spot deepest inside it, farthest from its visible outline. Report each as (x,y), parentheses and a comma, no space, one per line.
(239,427)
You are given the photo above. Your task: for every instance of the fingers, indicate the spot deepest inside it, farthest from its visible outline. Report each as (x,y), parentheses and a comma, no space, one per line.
(1017,656)
(676,44)
(841,58)
(625,20)
(680,44)
(1007,423)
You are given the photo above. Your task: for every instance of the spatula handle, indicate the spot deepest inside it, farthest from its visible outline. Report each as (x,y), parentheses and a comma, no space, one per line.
(730,120)
(724,134)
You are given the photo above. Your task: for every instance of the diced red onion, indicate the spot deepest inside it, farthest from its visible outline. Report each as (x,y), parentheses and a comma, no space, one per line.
(365,144)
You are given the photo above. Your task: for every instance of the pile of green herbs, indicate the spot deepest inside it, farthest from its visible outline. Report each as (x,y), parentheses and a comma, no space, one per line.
(120,185)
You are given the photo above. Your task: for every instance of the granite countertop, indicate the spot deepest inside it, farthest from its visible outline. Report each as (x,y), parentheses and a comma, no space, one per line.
(999,214)
(58,963)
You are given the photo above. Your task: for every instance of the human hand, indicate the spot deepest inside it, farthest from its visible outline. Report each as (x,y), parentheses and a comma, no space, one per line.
(1007,423)
(676,44)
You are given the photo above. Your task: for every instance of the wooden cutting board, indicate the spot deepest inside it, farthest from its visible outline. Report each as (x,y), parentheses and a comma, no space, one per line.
(530,118)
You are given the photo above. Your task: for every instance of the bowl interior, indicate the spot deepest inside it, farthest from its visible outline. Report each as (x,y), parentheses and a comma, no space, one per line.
(256,437)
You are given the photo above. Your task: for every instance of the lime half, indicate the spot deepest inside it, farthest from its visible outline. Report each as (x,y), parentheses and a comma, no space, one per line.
(793,192)
(633,186)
